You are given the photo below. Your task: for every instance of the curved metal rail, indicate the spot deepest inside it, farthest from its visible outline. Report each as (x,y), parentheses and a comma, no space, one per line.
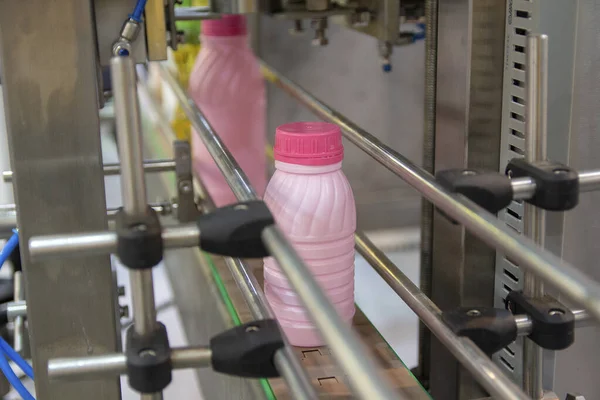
(572,283)
(349,352)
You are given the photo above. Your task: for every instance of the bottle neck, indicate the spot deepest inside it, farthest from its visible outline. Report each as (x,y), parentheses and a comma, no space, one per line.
(307,169)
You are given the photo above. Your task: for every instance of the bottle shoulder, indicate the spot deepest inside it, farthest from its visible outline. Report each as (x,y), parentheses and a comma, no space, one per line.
(317,206)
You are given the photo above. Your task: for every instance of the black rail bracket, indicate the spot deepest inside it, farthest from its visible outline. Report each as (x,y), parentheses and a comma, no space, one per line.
(553,324)
(491,329)
(149,366)
(248,350)
(235,230)
(490,190)
(557,185)
(139,239)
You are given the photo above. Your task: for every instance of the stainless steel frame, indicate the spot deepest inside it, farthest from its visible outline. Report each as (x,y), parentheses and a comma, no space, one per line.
(36,154)
(52,118)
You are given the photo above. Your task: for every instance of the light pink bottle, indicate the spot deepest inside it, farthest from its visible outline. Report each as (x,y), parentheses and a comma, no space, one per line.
(227,85)
(313,204)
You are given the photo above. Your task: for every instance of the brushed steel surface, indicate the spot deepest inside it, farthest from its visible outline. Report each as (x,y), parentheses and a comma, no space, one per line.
(468,113)
(49,85)
(582,225)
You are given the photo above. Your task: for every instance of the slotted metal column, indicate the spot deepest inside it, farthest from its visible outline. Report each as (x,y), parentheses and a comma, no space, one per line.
(557,20)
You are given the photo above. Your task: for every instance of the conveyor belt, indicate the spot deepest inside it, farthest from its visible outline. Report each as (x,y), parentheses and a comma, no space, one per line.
(326,376)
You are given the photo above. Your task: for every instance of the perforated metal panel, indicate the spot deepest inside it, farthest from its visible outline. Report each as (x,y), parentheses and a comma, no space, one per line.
(508,274)
(557,19)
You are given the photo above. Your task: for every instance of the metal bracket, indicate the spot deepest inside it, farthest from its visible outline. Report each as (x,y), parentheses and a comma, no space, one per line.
(187,210)
(557,185)
(490,190)
(553,323)
(139,240)
(491,329)
(149,360)
(248,350)
(236,230)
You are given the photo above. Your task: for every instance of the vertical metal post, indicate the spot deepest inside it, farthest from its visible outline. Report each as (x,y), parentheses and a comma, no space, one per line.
(431,50)
(133,185)
(535,218)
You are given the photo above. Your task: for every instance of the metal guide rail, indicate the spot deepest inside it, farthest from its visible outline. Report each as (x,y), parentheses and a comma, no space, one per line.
(578,287)
(304,364)
(139,242)
(115,169)
(572,283)
(285,360)
(350,354)
(315,364)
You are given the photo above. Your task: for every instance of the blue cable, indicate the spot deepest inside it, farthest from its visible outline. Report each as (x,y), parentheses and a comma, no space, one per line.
(13,379)
(8,248)
(420,35)
(16,357)
(138,11)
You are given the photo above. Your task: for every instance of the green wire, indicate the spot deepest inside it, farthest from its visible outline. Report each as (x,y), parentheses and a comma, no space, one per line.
(234,315)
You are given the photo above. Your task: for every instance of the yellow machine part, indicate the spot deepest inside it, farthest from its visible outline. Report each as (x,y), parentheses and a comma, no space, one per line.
(184,58)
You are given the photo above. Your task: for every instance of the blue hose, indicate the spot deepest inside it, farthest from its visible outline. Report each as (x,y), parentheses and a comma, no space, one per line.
(9,352)
(9,247)
(138,11)
(13,379)
(420,35)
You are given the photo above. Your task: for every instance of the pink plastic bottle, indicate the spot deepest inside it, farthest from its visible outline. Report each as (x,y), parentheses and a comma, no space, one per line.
(313,204)
(227,85)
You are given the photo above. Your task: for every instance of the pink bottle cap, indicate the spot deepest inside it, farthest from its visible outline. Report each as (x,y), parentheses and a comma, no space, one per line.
(309,143)
(227,25)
